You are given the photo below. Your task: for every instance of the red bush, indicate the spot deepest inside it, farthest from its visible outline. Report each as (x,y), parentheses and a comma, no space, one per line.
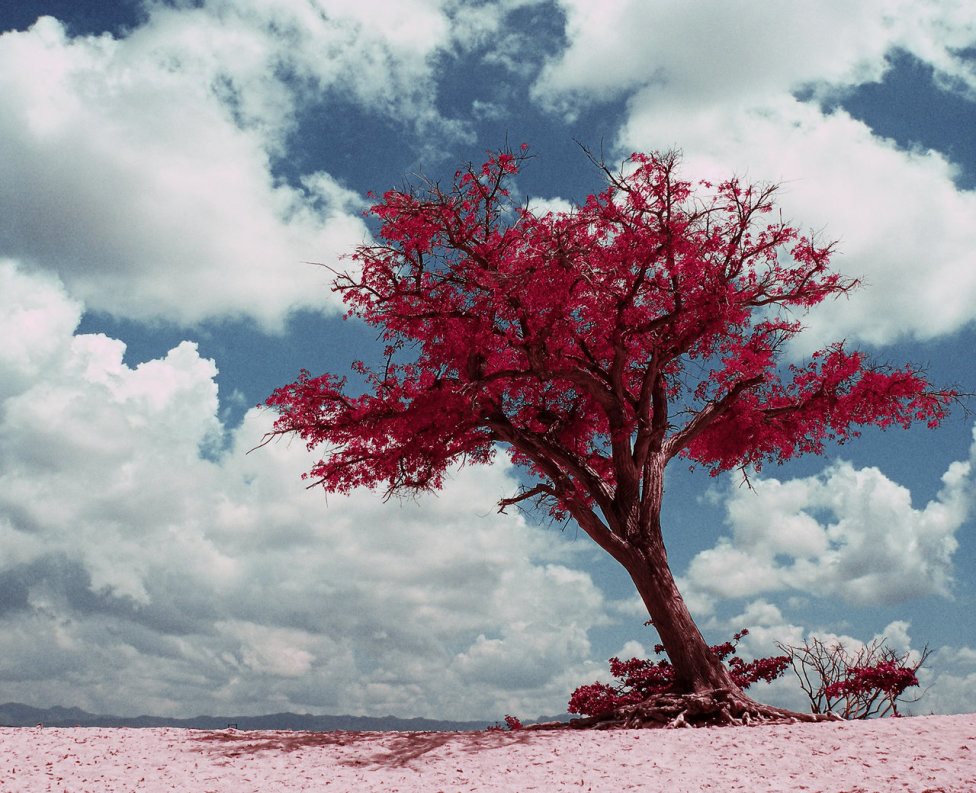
(639,679)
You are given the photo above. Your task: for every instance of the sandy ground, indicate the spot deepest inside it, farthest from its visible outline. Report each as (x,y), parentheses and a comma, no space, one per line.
(925,754)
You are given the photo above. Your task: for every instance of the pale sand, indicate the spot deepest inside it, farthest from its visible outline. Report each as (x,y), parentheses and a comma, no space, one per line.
(926,753)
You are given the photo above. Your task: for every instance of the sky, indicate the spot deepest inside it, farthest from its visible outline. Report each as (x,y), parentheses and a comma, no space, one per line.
(170,173)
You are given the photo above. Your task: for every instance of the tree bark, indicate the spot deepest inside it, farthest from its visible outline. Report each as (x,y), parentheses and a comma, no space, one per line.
(696,668)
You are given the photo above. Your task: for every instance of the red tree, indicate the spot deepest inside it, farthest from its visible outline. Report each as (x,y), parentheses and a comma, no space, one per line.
(595,346)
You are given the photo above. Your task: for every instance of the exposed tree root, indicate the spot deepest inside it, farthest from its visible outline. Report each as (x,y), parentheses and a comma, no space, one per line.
(717,708)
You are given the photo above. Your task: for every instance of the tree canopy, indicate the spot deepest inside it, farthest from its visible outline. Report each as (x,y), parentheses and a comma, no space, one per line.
(648,322)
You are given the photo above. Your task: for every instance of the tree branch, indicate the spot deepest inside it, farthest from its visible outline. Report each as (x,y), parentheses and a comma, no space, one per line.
(707,415)
(539,490)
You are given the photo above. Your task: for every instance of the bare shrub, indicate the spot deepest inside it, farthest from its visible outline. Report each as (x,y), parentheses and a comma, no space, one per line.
(857,685)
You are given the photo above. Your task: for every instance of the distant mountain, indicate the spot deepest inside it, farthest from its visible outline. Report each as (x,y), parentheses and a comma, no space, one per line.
(15,714)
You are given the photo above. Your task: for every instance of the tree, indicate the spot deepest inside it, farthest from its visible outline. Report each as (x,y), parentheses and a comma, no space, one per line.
(858,685)
(595,346)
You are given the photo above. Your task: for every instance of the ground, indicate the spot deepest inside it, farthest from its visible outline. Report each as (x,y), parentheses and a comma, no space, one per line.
(924,754)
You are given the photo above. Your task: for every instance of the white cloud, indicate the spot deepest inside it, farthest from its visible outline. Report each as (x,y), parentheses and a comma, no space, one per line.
(949,681)
(378,54)
(718,81)
(846,532)
(543,206)
(143,570)
(37,316)
(713,52)
(142,170)
(126,174)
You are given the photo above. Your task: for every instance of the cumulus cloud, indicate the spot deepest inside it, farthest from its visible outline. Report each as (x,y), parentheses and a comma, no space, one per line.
(949,681)
(721,82)
(545,206)
(715,52)
(143,169)
(146,569)
(127,175)
(846,532)
(37,316)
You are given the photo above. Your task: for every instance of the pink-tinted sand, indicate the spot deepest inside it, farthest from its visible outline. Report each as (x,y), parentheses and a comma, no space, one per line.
(925,754)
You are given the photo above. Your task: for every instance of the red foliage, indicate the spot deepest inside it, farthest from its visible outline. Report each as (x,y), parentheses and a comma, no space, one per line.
(574,337)
(511,722)
(639,678)
(888,677)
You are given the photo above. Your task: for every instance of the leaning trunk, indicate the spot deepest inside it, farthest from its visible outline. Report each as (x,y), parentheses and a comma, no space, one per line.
(703,692)
(696,668)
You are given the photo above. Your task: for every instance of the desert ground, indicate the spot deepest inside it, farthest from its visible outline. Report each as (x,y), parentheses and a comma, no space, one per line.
(923,754)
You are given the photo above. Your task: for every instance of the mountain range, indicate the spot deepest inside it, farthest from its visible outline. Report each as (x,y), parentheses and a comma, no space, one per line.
(15,714)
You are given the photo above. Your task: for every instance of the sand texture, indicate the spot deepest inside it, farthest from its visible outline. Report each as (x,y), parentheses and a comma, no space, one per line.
(925,754)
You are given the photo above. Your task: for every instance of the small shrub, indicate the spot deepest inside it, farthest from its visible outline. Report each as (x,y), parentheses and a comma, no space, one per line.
(511,722)
(639,679)
(857,685)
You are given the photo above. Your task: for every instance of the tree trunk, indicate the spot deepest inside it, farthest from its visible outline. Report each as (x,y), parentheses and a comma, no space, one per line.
(696,668)
(703,692)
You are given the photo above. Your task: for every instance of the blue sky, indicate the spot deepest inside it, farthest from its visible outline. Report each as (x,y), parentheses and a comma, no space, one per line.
(167,173)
